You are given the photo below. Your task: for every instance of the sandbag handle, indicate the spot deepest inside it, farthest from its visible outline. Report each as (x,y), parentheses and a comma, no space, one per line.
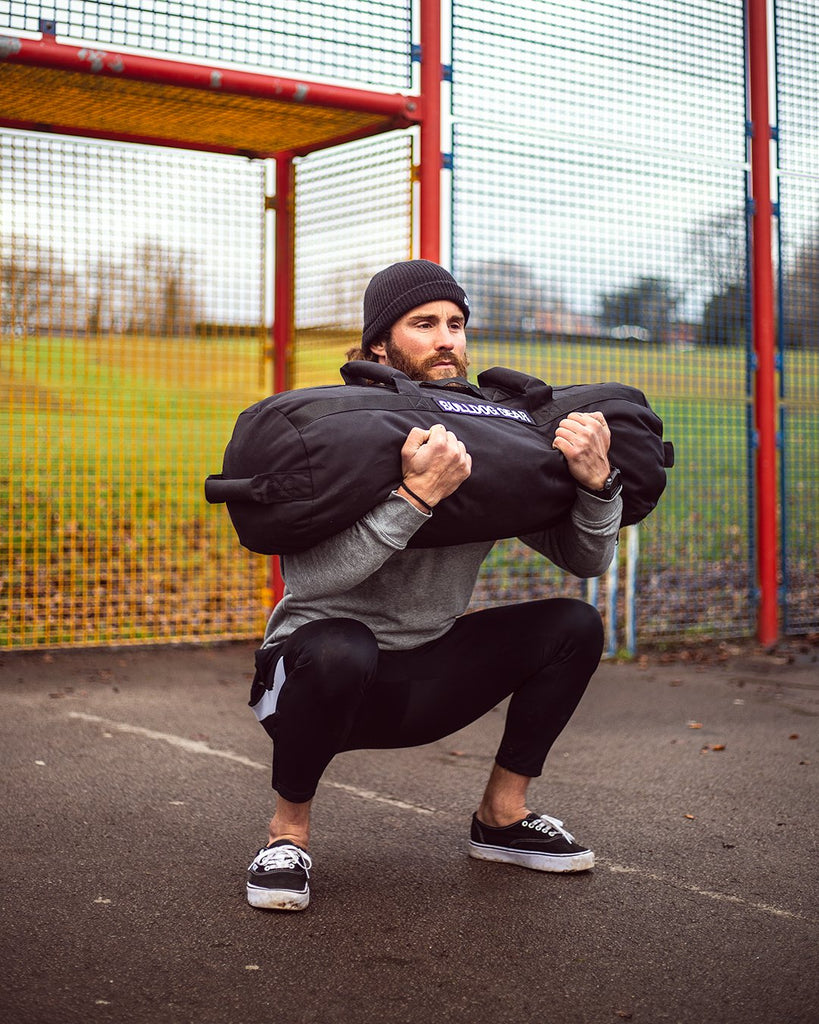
(219,490)
(535,392)
(362,371)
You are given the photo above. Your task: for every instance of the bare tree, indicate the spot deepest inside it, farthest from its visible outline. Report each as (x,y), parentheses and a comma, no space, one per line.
(717,251)
(33,285)
(505,294)
(800,296)
(163,297)
(339,304)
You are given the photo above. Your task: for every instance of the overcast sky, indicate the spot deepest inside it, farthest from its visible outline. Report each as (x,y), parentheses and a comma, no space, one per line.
(590,138)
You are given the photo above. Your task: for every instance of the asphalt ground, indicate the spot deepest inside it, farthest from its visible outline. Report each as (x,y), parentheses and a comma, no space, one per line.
(136,790)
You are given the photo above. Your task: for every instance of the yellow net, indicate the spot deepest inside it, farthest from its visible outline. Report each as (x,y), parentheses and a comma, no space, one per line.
(113,107)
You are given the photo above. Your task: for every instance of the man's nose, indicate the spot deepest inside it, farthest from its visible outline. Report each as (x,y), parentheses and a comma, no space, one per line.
(443,339)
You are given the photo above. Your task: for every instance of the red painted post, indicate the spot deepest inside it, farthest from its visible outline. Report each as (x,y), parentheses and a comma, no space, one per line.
(764,332)
(283,297)
(429,175)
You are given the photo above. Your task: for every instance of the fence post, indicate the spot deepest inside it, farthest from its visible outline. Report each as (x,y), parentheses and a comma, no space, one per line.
(284,313)
(762,305)
(612,577)
(429,171)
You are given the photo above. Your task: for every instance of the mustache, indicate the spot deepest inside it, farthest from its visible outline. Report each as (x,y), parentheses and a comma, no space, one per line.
(459,365)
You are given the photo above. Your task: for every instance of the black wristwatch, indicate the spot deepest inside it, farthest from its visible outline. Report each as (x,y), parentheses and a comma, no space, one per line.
(610,489)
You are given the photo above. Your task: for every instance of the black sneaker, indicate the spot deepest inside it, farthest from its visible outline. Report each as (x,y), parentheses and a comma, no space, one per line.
(535,842)
(279,877)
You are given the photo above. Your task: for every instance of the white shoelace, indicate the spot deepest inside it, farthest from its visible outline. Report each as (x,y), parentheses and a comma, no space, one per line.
(558,825)
(283,857)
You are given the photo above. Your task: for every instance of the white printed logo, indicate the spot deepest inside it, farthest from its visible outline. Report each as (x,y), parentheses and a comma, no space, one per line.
(482,409)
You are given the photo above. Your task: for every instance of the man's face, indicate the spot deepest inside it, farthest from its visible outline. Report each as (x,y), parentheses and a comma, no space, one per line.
(428,343)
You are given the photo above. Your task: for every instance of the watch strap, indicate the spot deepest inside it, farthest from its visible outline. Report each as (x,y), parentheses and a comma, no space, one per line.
(610,489)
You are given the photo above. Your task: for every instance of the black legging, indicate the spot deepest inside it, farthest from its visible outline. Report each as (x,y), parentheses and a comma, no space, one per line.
(340,692)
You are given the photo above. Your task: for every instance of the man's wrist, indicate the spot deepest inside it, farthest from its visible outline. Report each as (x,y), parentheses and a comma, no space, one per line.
(612,486)
(415,499)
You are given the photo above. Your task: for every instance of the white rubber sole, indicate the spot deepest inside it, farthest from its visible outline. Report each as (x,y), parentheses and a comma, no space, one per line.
(277,899)
(535,861)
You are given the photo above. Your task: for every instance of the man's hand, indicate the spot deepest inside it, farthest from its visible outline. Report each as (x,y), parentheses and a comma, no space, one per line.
(584,439)
(434,463)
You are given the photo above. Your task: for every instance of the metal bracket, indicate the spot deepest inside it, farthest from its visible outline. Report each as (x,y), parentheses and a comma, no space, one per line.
(47,26)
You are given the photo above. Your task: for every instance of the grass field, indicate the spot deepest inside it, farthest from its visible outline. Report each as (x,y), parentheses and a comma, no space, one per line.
(106,534)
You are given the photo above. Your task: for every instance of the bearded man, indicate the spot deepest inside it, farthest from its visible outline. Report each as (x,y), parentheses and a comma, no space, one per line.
(370,648)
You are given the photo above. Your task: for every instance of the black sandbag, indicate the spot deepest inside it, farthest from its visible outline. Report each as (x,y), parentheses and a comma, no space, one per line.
(304,464)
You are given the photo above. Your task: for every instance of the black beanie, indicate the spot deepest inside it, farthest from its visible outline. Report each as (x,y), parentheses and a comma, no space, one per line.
(403,286)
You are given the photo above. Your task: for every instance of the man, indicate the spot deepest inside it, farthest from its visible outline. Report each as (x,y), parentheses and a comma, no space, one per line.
(370,647)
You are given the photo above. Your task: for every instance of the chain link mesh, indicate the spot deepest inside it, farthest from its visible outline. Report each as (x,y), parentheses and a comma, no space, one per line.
(797,47)
(354,216)
(599,209)
(363,41)
(598,222)
(131,333)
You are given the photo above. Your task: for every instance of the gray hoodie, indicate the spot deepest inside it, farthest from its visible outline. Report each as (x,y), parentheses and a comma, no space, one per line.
(410,596)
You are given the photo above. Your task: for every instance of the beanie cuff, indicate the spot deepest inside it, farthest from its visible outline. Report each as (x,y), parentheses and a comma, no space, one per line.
(399,295)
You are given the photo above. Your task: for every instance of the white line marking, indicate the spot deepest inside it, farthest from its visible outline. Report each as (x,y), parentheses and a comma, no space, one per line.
(369,794)
(197,747)
(620,869)
(192,746)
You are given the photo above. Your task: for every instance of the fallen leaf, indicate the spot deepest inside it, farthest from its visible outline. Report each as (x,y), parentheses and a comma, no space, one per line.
(794,736)
(624,1014)
(695,725)
(456,753)
(690,817)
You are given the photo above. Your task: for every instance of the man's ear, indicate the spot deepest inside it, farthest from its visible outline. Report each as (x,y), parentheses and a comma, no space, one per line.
(379,349)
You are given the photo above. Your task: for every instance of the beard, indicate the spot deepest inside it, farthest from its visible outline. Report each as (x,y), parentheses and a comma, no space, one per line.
(426,369)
